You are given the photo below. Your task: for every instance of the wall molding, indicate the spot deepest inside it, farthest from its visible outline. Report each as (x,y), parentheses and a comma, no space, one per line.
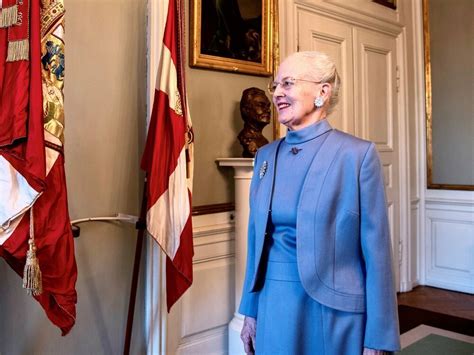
(449,243)
(213,208)
(202,342)
(414,202)
(406,229)
(351,16)
(448,199)
(414,245)
(362,7)
(420,136)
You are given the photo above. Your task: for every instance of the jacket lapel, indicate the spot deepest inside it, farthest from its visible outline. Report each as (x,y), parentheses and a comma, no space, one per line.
(306,224)
(264,194)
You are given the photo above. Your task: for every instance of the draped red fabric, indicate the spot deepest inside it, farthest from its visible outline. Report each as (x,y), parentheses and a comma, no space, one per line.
(55,250)
(24,147)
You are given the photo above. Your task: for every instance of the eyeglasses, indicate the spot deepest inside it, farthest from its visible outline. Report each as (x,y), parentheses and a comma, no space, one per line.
(287,84)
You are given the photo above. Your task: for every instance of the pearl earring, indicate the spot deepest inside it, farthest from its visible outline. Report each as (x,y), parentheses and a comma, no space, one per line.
(319,102)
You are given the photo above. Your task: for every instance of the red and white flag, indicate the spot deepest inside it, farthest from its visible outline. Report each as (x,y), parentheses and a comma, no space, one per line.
(168,160)
(31,160)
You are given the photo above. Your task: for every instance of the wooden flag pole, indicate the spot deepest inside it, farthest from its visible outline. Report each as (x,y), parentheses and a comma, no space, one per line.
(141,227)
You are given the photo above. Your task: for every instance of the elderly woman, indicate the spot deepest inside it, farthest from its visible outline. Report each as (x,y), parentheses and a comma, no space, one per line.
(319,277)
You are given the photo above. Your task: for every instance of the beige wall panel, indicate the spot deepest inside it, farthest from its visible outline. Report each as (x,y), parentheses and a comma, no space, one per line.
(214,98)
(452,78)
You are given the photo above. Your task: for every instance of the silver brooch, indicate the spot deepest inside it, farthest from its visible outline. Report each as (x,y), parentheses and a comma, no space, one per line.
(263,169)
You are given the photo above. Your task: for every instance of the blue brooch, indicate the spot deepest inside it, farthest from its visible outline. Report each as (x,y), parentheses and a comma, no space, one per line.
(263,169)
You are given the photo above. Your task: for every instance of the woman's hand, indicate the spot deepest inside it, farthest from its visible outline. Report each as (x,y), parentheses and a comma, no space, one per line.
(368,351)
(249,330)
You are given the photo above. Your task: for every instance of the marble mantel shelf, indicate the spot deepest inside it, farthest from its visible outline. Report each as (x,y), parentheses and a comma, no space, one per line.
(236,162)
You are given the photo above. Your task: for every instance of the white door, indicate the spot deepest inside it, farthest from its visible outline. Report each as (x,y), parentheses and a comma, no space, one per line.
(334,38)
(376,114)
(366,61)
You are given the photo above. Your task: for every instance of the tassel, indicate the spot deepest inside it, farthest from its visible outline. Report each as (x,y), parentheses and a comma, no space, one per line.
(32,281)
(18,50)
(32,274)
(8,16)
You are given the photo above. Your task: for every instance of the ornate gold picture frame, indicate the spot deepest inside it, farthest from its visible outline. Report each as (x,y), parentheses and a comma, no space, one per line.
(233,35)
(431,184)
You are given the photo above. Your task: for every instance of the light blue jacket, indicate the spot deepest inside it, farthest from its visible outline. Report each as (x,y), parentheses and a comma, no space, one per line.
(342,233)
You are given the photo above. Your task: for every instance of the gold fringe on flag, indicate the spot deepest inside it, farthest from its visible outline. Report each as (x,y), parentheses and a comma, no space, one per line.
(18,50)
(8,16)
(32,281)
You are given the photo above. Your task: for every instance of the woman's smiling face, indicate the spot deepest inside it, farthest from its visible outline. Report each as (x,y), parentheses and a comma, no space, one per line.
(295,104)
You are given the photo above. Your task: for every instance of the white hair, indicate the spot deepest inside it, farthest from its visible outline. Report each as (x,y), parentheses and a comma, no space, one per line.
(321,68)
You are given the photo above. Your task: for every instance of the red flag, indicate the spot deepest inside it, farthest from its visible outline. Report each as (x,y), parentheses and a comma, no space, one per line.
(22,161)
(167,161)
(34,165)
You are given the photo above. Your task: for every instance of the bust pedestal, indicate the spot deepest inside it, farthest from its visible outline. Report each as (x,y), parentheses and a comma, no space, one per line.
(243,171)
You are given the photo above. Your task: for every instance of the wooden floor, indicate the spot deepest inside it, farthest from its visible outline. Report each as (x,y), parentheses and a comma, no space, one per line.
(436,307)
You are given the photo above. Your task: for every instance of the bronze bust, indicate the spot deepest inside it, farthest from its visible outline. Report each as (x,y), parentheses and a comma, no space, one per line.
(255,111)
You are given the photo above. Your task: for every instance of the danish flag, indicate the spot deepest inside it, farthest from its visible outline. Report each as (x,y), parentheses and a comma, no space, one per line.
(168,160)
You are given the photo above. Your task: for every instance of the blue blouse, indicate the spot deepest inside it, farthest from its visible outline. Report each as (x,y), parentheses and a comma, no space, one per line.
(295,155)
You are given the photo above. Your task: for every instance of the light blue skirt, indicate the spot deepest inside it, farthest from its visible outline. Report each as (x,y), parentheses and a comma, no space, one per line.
(289,321)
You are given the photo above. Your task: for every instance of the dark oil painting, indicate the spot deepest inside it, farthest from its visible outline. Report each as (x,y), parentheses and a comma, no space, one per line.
(232,29)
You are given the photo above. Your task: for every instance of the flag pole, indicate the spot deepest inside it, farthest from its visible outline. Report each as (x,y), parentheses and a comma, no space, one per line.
(141,227)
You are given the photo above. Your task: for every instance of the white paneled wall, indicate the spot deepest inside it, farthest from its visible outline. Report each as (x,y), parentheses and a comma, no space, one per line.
(198,323)
(449,240)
